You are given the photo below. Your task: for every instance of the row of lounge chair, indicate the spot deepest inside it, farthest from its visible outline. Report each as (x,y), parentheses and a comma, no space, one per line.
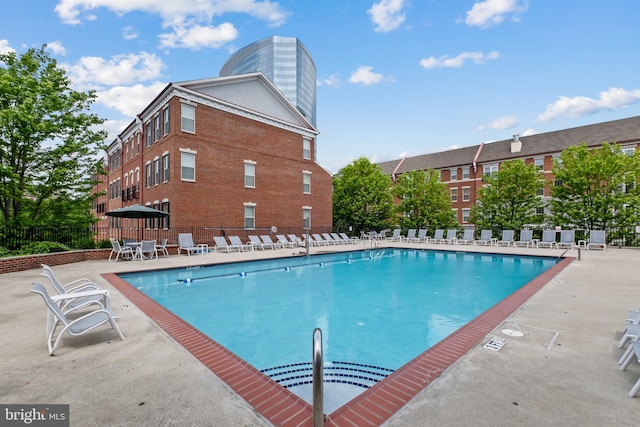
(290,241)
(631,335)
(76,307)
(549,238)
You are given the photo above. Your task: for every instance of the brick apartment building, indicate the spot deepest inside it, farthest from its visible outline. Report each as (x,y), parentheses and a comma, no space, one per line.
(227,152)
(462,169)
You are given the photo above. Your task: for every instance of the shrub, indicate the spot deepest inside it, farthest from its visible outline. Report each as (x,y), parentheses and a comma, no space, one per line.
(104,244)
(41,248)
(86,244)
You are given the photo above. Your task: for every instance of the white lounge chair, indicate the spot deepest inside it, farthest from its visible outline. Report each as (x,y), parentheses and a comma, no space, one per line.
(526,239)
(396,236)
(222,244)
(330,240)
(295,239)
(411,235)
(597,239)
(81,284)
(339,239)
(352,240)
(437,236)
(319,240)
(268,243)
(235,241)
(467,237)
(256,243)
(284,241)
(548,239)
(422,236)
(485,238)
(634,353)
(77,326)
(567,239)
(185,243)
(126,251)
(507,238)
(450,239)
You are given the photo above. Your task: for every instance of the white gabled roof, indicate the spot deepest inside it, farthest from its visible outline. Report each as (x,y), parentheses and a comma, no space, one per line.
(251,92)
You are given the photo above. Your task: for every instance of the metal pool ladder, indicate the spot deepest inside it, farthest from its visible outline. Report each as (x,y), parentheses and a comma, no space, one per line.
(318,378)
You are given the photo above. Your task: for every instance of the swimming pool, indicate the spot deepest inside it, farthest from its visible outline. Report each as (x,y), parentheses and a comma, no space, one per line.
(377,309)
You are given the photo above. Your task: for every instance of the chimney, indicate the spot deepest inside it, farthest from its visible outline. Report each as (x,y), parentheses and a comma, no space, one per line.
(516,145)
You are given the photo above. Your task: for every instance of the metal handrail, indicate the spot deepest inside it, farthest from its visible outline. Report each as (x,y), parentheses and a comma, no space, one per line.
(318,378)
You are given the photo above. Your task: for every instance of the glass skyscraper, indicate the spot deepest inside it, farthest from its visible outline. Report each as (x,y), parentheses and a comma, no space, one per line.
(286,63)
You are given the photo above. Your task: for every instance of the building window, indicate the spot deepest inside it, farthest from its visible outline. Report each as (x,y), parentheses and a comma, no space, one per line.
(306,148)
(188,118)
(165,167)
(249,216)
(164,221)
(249,174)
(557,183)
(490,170)
(306,182)
(466,194)
(188,165)
(466,214)
(306,217)
(454,194)
(149,175)
(156,171)
(539,164)
(138,143)
(628,151)
(157,127)
(149,134)
(539,211)
(454,174)
(540,192)
(165,118)
(465,173)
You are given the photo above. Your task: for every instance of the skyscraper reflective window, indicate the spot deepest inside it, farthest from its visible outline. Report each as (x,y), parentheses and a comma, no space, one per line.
(286,63)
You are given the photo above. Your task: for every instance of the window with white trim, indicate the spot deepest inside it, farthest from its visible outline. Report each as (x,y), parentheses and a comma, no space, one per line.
(165,118)
(249,174)
(306,148)
(465,173)
(466,194)
(490,170)
(466,214)
(188,166)
(454,194)
(188,118)
(306,216)
(156,170)
(157,127)
(249,215)
(306,182)
(539,164)
(149,175)
(149,140)
(165,167)
(454,174)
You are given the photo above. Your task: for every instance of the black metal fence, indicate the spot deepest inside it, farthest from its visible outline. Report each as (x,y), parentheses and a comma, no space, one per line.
(78,238)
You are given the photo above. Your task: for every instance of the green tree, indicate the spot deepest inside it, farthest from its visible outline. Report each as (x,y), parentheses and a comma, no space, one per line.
(423,201)
(596,189)
(48,141)
(509,198)
(362,197)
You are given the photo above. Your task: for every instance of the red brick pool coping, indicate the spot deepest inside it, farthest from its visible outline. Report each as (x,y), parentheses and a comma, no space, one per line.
(374,406)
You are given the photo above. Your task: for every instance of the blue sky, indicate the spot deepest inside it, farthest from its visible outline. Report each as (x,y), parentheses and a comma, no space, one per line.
(395,77)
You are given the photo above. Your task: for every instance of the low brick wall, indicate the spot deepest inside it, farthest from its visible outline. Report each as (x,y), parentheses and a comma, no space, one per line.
(28,262)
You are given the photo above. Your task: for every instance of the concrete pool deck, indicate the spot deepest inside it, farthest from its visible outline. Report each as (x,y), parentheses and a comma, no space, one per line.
(150,380)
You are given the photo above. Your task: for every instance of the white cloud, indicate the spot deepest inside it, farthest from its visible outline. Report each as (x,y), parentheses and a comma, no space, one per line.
(387,15)
(492,12)
(113,128)
(578,106)
(529,132)
(458,61)
(366,76)
(4,46)
(56,47)
(185,19)
(130,100)
(333,81)
(197,37)
(129,33)
(505,122)
(91,71)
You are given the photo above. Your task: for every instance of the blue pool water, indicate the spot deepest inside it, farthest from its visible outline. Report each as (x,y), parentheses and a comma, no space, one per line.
(379,308)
